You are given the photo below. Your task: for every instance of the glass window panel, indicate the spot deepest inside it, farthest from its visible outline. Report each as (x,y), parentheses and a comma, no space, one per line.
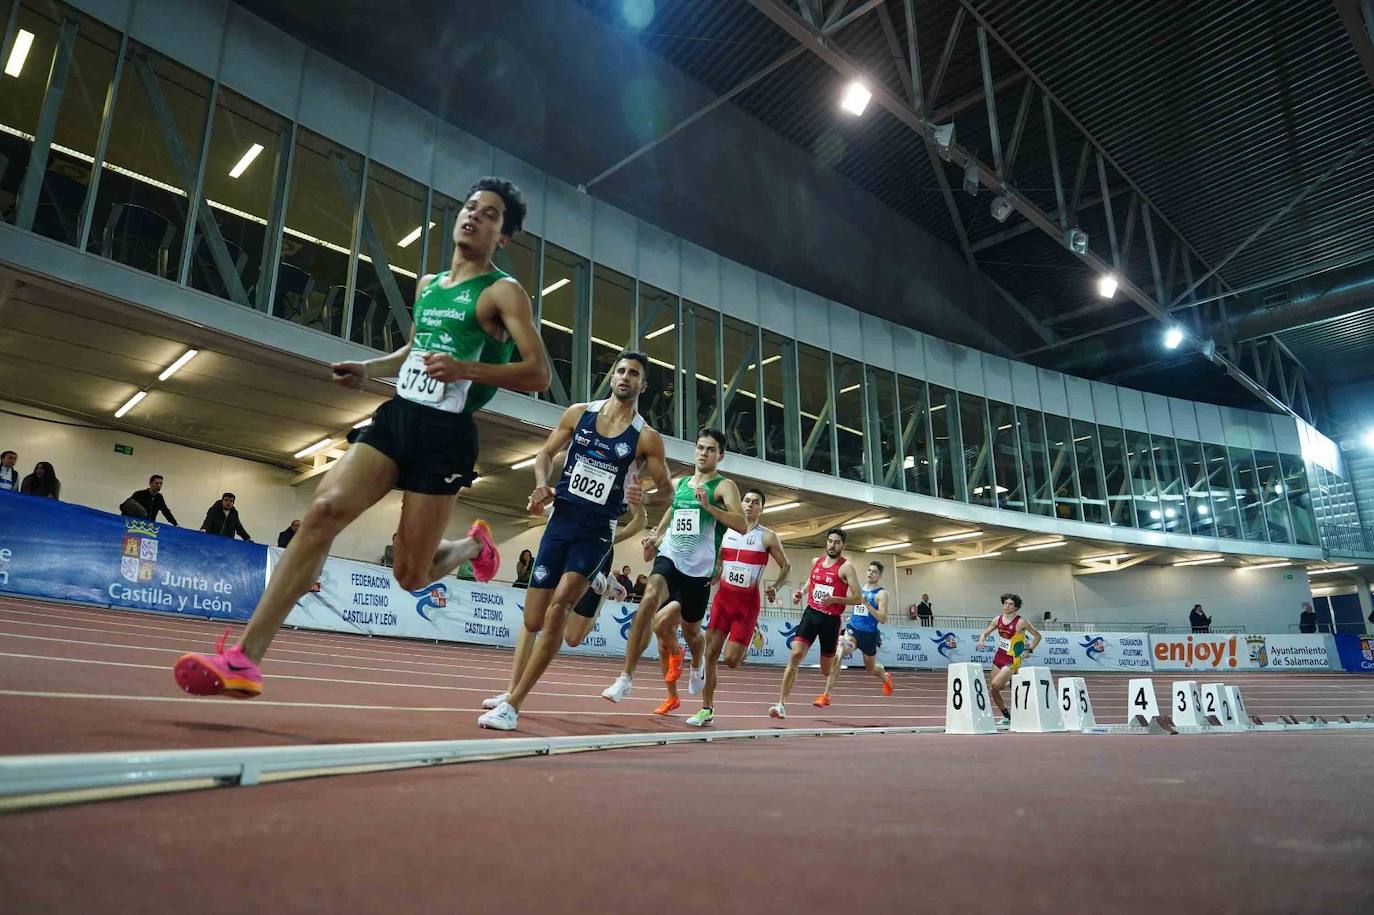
(916,466)
(320,209)
(1193,468)
(1144,485)
(67,177)
(1225,499)
(700,350)
(612,325)
(393,208)
(565,278)
(742,370)
(1035,460)
(1296,491)
(1060,446)
(849,418)
(658,312)
(1172,503)
(947,470)
(150,163)
(881,393)
(1116,475)
(779,390)
(1273,497)
(1006,456)
(1090,483)
(520,258)
(239,186)
(977,456)
(1249,497)
(813,376)
(443,222)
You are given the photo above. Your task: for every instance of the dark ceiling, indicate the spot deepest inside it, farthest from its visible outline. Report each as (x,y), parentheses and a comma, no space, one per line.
(1215,115)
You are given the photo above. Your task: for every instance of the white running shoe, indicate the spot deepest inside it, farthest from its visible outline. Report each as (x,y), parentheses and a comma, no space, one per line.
(696,681)
(777,711)
(619,689)
(494,701)
(501,718)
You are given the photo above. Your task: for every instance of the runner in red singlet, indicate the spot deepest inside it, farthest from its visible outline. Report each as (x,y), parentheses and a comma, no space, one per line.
(1007,624)
(832,586)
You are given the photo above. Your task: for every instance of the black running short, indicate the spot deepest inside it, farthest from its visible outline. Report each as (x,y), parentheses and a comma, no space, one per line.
(822,627)
(591,601)
(434,449)
(693,594)
(867,641)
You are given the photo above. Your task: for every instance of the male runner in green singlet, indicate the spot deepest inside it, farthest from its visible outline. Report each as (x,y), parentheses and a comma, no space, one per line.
(471,322)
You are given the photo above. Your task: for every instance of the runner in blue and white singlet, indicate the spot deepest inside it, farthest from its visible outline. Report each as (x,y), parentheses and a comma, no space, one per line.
(861,633)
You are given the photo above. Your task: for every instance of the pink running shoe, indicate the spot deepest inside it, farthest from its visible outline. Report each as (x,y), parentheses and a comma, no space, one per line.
(485,566)
(229,672)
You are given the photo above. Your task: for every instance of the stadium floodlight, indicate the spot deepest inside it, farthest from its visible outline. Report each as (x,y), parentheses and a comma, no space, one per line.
(943,135)
(1369,439)
(971,177)
(1173,337)
(1106,285)
(1076,240)
(856,98)
(1001,207)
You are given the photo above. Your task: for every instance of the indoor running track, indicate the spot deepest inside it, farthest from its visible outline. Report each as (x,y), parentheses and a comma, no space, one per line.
(1063,823)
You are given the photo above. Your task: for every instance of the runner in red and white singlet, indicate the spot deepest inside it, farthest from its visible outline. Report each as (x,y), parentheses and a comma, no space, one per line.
(1006,624)
(735,609)
(832,585)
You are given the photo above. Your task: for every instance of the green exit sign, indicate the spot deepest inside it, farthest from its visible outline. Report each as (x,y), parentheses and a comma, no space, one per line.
(124,449)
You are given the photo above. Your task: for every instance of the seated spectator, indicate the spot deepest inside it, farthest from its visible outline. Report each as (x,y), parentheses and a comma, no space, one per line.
(389,554)
(146,503)
(523,566)
(284,538)
(42,482)
(1201,622)
(1307,619)
(637,592)
(625,580)
(9,477)
(222,519)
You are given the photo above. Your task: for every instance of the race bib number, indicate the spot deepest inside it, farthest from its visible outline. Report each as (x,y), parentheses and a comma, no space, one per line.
(1004,644)
(686,522)
(413,384)
(737,574)
(819,593)
(591,483)
(860,610)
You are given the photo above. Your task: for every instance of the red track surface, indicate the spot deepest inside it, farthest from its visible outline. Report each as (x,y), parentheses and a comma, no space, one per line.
(1247,822)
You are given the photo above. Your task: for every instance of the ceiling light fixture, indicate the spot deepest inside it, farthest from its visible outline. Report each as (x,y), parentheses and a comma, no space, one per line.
(781,506)
(246,161)
(315,448)
(527,462)
(554,287)
(971,177)
(1041,546)
(1267,565)
(412,236)
(660,332)
(130,404)
(890,546)
(948,537)
(856,98)
(852,387)
(1112,558)
(1076,240)
(943,135)
(363,424)
(1200,562)
(175,367)
(20,53)
(1319,571)
(1106,285)
(1001,207)
(870,522)
(979,556)
(1173,337)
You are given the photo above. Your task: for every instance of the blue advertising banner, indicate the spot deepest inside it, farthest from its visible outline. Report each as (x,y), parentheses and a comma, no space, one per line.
(69,552)
(1356,651)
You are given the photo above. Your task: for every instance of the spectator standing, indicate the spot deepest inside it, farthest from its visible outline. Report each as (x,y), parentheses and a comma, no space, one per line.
(42,482)
(9,477)
(1201,622)
(284,538)
(925,610)
(222,519)
(637,592)
(523,566)
(1050,621)
(1307,619)
(146,503)
(625,580)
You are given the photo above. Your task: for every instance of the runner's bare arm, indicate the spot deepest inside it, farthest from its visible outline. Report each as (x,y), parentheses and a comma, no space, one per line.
(650,457)
(638,518)
(880,611)
(1034,633)
(774,547)
(987,631)
(545,458)
(529,373)
(728,512)
(353,374)
(851,578)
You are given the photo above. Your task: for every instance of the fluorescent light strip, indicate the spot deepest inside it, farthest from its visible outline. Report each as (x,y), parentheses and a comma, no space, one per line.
(22,43)
(1267,565)
(527,462)
(318,446)
(1040,546)
(246,161)
(1200,562)
(410,238)
(130,404)
(556,286)
(1309,571)
(175,367)
(658,333)
(948,537)
(363,424)
(979,556)
(852,387)
(781,506)
(1112,558)
(871,522)
(889,546)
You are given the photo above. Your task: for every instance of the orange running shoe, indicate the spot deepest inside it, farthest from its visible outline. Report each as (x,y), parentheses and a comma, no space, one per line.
(668,706)
(821,701)
(887,683)
(674,667)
